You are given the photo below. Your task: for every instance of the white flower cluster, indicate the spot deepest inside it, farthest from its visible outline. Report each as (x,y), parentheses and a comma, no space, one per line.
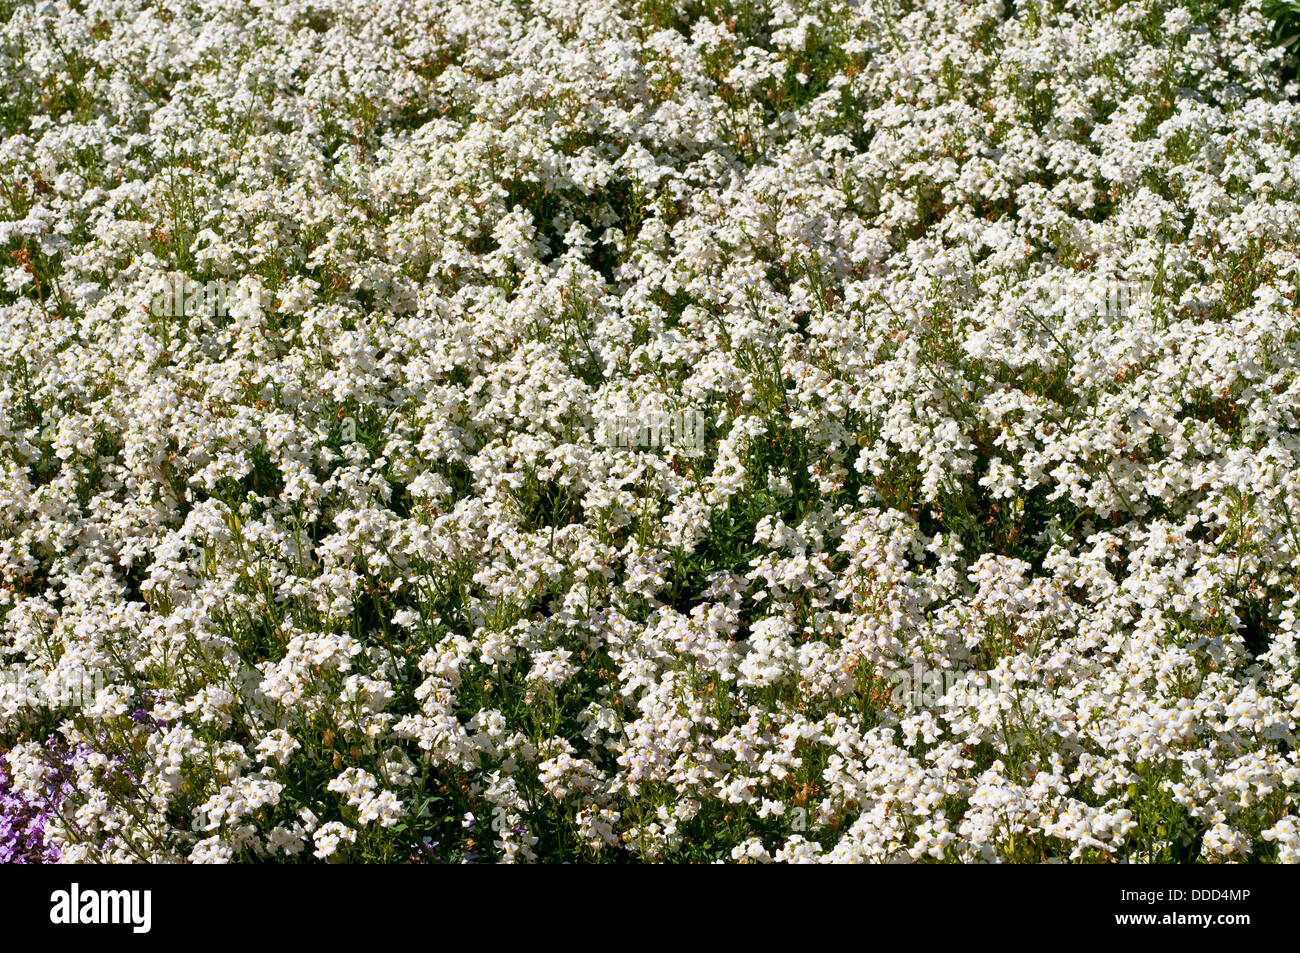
(989,314)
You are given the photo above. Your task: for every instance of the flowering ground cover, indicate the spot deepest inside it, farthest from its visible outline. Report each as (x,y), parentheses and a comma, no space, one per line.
(622,430)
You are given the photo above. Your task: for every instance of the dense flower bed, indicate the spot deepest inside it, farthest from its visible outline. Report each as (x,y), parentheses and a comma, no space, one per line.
(975,539)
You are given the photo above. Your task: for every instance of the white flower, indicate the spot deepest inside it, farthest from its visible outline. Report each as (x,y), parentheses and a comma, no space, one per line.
(328,838)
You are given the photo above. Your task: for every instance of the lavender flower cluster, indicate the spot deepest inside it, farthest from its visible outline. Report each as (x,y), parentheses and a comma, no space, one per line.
(26,809)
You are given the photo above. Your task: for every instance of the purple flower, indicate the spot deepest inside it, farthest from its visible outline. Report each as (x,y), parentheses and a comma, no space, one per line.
(22,827)
(23,816)
(428,843)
